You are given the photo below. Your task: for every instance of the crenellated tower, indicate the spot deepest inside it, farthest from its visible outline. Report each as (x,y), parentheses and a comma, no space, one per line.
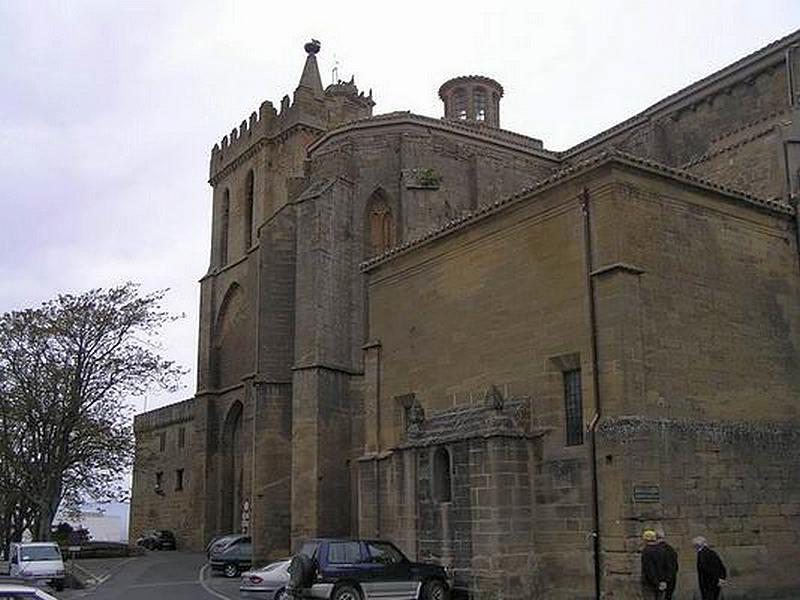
(245,354)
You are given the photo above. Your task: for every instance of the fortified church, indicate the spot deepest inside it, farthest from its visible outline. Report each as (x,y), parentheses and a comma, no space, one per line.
(503,358)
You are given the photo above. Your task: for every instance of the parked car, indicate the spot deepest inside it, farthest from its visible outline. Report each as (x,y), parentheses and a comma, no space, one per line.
(233,558)
(351,569)
(18,591)
(220,542)
(157,539)
(266,583)
(38,562)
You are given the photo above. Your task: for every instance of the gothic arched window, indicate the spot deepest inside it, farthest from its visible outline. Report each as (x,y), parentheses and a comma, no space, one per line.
(248,210)
(380,223)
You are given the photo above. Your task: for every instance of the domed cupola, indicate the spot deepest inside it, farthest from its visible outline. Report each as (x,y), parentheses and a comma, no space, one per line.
(472,98)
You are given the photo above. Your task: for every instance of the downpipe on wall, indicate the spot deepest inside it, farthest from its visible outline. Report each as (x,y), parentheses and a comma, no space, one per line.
(792,180)
(592,427)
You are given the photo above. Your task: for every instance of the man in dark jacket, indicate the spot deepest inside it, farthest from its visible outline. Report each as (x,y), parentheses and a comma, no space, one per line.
(711,573)
(673,563)
(655,567)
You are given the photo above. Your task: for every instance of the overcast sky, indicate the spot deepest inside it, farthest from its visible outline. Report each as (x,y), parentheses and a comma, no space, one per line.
(108,110)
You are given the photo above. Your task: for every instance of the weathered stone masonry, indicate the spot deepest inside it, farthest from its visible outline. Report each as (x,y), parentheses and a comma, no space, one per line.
(396,338)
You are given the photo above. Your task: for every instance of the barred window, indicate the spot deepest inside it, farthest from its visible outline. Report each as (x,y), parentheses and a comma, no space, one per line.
(181,437)
(573,405)
(162,441)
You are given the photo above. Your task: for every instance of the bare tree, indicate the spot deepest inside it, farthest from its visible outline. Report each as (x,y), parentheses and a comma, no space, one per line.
(67,370)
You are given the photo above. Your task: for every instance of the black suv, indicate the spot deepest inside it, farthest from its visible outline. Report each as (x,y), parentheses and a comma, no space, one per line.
(348,569)
(157,539)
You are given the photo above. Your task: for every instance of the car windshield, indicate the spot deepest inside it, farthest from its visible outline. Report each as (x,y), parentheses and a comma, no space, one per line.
(33,553)
(309,549)
(223,541)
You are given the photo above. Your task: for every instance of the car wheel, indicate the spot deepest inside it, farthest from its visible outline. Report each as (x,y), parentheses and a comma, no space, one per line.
(282,594)
(231,570)
(58,585)
(346,592)
(434,590)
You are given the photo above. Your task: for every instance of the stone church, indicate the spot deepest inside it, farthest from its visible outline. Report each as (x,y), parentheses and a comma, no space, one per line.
(504,358)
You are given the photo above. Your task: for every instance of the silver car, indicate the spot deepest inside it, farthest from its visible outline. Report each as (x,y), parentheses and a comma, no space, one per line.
(266,583)
(11,590)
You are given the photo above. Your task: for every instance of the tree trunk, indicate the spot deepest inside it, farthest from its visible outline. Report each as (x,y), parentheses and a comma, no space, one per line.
(44,523)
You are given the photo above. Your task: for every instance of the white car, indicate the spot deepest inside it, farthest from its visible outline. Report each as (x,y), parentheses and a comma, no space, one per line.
(37,562)
(266,583)
(16,591)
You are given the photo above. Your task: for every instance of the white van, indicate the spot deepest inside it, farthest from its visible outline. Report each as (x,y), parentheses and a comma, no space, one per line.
(37,561)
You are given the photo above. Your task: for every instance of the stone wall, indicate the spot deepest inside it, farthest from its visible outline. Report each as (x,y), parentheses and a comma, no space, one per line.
(736,483)
(750,159)
(711,320)
(465,171)
(169,508)
(483,532)
(698,319)
(689,126)
(502,303)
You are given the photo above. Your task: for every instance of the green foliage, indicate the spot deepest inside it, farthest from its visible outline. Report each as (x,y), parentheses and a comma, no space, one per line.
(67,369)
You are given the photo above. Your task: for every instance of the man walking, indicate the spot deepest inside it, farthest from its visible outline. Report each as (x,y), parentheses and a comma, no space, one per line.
(672,557)
(655,567)
(711,573)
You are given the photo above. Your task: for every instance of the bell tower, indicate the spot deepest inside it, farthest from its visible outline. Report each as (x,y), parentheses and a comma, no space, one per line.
(472,98)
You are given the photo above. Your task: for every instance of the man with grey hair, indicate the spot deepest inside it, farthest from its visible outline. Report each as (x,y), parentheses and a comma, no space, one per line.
(672,557)
(711,573)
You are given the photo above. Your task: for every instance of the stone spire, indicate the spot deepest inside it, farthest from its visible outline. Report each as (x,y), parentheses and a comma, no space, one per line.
(310,79)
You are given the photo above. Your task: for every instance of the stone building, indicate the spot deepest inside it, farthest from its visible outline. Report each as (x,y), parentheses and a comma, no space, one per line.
(504,358)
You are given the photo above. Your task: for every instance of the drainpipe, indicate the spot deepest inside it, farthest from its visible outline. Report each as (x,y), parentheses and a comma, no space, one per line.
(377,471)
(794,199)
(790,82)
(592,428)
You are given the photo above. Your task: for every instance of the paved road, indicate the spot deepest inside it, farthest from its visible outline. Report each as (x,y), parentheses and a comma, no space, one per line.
(163,576)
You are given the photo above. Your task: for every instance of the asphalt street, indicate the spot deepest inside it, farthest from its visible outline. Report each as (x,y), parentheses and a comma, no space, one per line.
(162,576)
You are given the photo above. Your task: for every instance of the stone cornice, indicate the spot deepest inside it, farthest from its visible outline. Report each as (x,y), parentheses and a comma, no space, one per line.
(502,137)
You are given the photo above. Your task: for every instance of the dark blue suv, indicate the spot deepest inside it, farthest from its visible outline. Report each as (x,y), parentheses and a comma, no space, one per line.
(350,569)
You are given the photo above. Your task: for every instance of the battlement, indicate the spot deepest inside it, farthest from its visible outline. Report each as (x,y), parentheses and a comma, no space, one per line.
(310,106)
(172,414)
(242,137)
